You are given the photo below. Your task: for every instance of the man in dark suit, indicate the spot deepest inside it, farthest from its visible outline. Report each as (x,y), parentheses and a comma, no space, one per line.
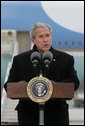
(61,69)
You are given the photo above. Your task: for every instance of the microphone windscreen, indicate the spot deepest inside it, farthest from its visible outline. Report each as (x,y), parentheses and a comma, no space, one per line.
(47,55)
(35,55)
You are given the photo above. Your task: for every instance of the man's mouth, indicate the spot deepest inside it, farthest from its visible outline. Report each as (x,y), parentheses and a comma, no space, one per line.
(46,45)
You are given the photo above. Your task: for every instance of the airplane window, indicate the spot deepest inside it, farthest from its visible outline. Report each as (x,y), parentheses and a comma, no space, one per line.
(66,42)
(10,33)
(73,43)
(79,42)
(59,43)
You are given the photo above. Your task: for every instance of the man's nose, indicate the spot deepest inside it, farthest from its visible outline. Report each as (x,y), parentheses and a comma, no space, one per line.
(45,38)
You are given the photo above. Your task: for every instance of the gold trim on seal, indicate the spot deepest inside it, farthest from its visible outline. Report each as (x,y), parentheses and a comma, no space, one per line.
(48,84)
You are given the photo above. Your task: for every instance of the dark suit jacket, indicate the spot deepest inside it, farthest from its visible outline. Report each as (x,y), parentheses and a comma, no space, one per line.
(61,70)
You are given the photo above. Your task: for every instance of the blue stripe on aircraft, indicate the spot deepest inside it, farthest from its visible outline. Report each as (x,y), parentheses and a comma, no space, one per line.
(21,16)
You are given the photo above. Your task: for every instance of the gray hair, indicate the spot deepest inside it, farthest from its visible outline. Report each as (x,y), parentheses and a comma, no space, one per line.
(37,25)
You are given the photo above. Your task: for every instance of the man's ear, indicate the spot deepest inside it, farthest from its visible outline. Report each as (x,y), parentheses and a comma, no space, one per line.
(33,40)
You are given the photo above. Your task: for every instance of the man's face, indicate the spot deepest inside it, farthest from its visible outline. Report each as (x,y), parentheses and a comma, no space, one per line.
(43,39)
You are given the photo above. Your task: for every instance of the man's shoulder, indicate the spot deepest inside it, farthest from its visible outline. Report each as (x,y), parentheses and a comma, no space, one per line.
(61,53)
(24,54)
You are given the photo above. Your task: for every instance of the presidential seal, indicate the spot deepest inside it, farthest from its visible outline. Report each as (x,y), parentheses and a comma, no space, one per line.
(39,89)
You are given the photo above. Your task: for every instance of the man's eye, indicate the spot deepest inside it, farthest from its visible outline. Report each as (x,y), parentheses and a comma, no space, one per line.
(47,35)
(41,36)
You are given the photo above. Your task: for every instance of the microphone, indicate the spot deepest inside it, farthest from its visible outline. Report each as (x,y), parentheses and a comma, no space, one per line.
(47,57)
(35,58)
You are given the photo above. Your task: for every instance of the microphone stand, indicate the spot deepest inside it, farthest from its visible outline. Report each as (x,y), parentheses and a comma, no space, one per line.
(41,105)
(41,113)
(41,109)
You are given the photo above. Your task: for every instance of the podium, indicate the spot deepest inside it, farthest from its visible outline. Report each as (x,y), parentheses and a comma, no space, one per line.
(18,90)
